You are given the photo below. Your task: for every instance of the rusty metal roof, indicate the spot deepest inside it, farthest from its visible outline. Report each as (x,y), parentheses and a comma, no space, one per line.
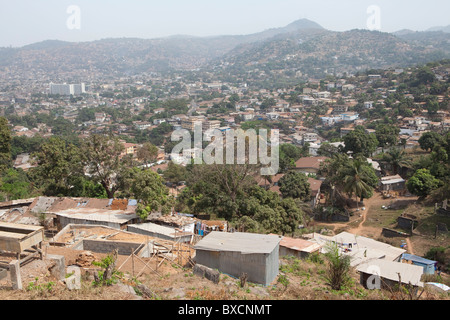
(90,214)
(300,244)
(31,208)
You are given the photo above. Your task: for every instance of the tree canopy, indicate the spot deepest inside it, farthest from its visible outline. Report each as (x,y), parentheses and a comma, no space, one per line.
(422,183)
(148,188)
(295,185)
(104,161)
(387,135)
(59,164)
(360,142)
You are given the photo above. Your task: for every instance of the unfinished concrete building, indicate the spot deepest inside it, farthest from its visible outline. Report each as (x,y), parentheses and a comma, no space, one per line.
(18,238)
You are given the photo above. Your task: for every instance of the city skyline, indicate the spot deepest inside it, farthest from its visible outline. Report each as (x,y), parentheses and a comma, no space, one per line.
(29,22)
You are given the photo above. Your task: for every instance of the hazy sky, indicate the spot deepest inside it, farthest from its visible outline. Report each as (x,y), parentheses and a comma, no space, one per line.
(27,21)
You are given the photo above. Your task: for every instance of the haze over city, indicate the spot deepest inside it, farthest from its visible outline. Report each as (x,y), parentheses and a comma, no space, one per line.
(29,21)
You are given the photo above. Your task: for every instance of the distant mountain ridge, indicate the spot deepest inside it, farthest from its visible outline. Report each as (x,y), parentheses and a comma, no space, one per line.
(299,46)
(443,29)
(320,52)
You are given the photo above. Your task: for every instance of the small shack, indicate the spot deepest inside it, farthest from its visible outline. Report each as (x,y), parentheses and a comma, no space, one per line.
(393,183)
(429,266)
(237,253)
(162,232)
(179,221)
(298,248)
(390,274)
(117,219)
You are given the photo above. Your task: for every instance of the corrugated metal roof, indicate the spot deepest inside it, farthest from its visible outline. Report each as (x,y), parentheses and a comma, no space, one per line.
(176,220)
(16,202)
(410,257)
(155,228)
(392,181)
(363,243)
(310,162)
(300,244)
(115,216)
(410,274)
(245,243)
(360,249)
(19,216)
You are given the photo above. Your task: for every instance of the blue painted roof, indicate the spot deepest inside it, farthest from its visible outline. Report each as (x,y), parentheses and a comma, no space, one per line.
(132,202)
(417,259)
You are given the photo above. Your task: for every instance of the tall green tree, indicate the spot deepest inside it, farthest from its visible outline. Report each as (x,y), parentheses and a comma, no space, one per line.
(149,189)
(397,159)
(59,163)
(83,187)
(424,76)
(175,173)
(218,188)
(105,162)
(15,185)
(387,135)
(351,176)
(270,212)
(422,183)
(295,185)
(147,153)
(354,182)
(5,145)
(431,139)
(360,142)
(289,154)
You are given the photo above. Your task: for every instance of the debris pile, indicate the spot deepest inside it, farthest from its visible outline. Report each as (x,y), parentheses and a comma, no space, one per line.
(85,259)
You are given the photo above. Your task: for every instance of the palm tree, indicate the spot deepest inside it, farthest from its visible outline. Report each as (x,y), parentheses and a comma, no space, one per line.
(354,183)
(397,159)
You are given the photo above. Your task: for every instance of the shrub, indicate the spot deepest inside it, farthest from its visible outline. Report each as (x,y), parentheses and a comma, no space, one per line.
(109,275)
(337,274)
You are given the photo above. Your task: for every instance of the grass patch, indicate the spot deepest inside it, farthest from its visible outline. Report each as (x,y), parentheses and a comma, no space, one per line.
(381,218)
(427,226)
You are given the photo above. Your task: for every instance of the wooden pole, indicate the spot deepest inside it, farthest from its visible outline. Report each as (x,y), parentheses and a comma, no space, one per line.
(132,263)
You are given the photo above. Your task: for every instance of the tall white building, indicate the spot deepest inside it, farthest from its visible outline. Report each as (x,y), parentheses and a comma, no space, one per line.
(67,89)
(78,88)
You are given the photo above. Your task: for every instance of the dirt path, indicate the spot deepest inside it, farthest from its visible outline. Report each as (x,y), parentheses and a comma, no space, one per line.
(375,200)
(368,204)
(369,231)
(410,247)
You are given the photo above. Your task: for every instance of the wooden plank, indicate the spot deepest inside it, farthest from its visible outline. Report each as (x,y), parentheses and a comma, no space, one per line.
(10,245)
(11,236)
(31,241)
(20,226)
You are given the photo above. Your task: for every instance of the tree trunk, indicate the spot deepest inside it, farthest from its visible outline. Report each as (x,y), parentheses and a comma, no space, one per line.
(110,269)
(109,191)
(110,194)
